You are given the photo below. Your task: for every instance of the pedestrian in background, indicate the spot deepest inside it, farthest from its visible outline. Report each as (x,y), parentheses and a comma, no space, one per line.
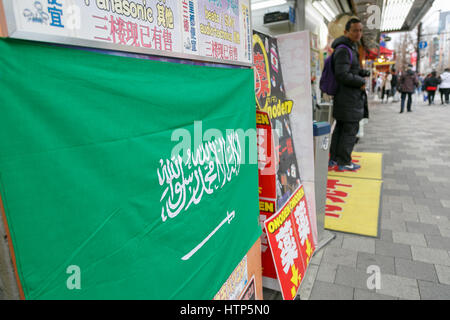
(424,89)
(394,83)
(407,85)
(387,86)
(445,85)
(431,85)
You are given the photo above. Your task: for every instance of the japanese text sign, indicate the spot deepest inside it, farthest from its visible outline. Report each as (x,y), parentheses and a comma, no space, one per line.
(213,30)
(291,242)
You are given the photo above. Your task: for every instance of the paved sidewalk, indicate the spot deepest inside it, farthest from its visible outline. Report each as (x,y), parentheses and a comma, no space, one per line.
(413,248)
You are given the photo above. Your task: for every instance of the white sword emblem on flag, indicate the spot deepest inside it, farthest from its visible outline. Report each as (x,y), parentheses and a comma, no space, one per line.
(228,219)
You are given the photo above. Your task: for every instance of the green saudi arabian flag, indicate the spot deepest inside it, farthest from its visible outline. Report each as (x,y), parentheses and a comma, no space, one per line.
(124,178)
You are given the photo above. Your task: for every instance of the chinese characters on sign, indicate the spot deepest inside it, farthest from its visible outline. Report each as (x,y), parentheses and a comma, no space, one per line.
(216,29)
(291,243)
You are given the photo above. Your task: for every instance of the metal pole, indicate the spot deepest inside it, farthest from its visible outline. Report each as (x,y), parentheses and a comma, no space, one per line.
(419,31)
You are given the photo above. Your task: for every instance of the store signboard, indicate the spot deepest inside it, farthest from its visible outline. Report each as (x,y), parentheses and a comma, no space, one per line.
(291,243)
(216,31)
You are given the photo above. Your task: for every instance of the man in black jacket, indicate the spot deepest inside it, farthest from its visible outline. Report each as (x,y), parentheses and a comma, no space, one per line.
(348,107)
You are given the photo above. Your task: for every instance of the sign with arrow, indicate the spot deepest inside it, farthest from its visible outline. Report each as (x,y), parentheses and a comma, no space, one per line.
(423,44)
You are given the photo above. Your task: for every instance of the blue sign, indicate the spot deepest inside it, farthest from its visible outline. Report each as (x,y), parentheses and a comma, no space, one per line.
(423,44)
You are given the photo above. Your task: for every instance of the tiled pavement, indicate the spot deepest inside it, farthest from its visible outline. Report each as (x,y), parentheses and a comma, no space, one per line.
(413,247)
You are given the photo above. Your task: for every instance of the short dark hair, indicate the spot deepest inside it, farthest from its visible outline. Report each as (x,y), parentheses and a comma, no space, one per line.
(348,25)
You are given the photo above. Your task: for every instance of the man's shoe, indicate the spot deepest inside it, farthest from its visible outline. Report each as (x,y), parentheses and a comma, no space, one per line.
(332,164)
(349,167)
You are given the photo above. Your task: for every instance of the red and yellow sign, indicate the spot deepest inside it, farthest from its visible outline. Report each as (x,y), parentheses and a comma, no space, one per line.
(291,242)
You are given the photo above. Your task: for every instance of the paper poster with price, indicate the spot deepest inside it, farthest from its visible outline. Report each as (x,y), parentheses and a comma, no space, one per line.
(291,244)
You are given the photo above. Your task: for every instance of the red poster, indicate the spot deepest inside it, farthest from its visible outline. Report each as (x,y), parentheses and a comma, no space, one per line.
(290,239)
(266,157)
(267,187)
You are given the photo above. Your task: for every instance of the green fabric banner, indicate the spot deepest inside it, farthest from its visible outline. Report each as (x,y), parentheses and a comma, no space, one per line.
(97,205)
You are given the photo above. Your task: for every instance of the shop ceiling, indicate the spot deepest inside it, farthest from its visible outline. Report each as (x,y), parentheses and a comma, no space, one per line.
(396,15)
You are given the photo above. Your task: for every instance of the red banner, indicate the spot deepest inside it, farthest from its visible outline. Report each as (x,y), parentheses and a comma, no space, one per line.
(267,186)
(266,157)
(291,242)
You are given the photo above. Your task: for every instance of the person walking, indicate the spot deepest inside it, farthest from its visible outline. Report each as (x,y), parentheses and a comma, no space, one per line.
(445,85)
(425,93)
(407,85)
(431,85)
(387,86)
(348,109)
(394,84)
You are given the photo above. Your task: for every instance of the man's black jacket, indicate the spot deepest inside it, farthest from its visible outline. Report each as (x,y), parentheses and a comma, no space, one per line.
(349,99)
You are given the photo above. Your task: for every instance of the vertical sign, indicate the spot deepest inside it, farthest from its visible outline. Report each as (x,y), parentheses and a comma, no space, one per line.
(267,186)
(291,243)
(270,97)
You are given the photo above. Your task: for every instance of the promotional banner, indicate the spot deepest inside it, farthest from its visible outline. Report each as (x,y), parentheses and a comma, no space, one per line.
(267,186)
(266,157)
(271,97)
(217,30)
(291,243)
(115,187)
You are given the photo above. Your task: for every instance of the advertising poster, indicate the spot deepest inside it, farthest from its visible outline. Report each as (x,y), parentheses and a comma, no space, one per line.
(235,284)
(271,98)
(267,186)
(291,243)
(218,30)
(150,24)
(266,157)
(249,291)
(190,29)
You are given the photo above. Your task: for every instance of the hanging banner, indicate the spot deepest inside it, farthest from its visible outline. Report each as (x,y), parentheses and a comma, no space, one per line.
(271,98)
(112,187)
(291,243)
(192,29)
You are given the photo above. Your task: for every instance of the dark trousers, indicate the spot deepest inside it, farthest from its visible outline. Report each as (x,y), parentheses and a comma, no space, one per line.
(431,95)
(387,93)
(343,141)
(445,92)
(408,106)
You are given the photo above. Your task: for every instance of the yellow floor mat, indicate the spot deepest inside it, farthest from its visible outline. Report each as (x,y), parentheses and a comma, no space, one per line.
(371,166)
(353,198)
